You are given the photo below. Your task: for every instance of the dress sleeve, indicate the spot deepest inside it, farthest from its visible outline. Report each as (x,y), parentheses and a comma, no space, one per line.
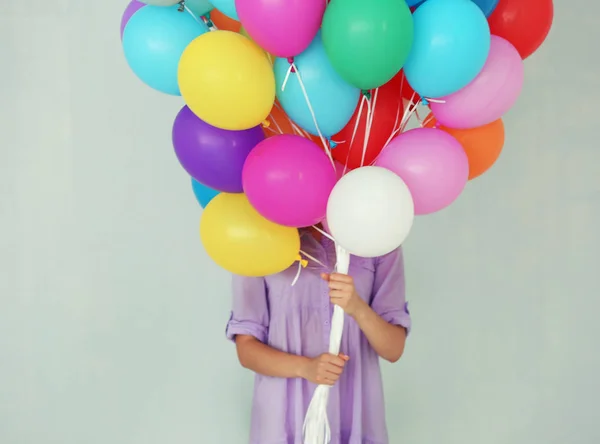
(389,299)
(250,309)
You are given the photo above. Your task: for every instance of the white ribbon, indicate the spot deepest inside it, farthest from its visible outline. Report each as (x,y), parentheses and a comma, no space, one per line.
(316,424)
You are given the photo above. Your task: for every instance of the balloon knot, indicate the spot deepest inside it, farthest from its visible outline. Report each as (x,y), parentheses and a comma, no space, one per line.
(303,262)
(266,124)
(181,6)
(332,144)
(366,93)
(424,101)
(291,62)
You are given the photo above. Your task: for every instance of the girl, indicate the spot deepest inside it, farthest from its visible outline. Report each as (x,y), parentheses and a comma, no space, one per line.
(282,333)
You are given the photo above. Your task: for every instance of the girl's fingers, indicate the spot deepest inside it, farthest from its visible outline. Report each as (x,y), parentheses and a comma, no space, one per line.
(337,277)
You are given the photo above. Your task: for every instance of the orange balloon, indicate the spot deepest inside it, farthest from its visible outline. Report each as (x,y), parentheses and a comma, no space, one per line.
(280,123)
(222,22)
(482,144)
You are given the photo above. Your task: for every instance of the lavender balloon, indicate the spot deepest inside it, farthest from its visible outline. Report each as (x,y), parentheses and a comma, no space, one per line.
(133,7)
(487,98)
(214,157)
(433,165)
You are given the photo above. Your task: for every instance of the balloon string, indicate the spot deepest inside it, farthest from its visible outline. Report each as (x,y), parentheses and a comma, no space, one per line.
(368,125)
(324,233)
(357,123)
(294,69)
(434,100)
(412,108)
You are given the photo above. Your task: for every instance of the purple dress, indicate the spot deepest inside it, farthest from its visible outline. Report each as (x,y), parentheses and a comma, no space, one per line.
(297,320)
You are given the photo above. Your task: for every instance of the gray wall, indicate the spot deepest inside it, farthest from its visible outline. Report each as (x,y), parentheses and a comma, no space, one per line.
(112,316)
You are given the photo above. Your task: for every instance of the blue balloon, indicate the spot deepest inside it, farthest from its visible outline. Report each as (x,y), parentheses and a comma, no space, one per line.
(203,193)
(487,6)
(154,40)
(332,99)
(451,44)
(227,7)
(413,3)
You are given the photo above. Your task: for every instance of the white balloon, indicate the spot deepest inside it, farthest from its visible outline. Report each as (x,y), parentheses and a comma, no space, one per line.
(370,211)
(161,2)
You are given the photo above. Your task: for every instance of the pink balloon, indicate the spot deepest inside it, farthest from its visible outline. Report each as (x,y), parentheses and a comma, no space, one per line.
(283,28)
(487,98)
(433,165)
(288,180)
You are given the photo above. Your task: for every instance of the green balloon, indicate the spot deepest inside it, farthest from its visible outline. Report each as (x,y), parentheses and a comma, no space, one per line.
(367,41)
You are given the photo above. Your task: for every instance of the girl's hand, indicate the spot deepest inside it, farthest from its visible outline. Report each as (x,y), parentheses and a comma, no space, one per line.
(343,293)
(324,369)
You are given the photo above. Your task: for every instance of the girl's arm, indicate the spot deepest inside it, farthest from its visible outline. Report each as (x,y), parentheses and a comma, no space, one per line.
(387,340)
(260,358)
(267,361)
(248,327)
(385,321)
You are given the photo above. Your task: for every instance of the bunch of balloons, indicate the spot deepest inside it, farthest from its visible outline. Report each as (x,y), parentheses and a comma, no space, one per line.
(296,111)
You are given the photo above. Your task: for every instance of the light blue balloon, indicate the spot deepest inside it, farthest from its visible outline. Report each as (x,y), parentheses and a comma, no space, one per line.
(153,42)
(487,6)
(227,7)
(203,193)
(451,44)
(199,7)
(333,100)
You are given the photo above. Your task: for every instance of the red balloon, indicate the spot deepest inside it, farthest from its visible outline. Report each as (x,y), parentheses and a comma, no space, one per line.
(524,23)
(387,114)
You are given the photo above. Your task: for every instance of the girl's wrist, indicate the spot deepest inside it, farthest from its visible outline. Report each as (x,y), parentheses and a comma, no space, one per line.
(301,367)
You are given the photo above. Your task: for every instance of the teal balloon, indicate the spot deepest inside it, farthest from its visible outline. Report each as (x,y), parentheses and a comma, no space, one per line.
(332,99)
(199,7)
(203,193)
(451,44)
(367,46)
(153,42)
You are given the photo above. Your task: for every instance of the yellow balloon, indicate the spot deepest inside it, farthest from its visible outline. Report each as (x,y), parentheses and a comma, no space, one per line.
(269,55)
(226,80)
(243,242)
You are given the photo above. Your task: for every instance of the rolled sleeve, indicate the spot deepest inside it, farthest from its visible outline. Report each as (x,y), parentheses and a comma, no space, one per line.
(250,309)
(389,298)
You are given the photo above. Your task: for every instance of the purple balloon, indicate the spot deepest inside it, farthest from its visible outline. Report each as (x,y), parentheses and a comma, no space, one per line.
(133,7)
(214,157)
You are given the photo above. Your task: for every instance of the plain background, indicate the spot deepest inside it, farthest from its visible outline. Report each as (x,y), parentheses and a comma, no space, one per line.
(112,317)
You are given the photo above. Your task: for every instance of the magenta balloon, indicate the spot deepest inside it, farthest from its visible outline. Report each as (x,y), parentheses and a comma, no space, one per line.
(487,98)
(288,180)
(283,28)
(133,7)
(433,165)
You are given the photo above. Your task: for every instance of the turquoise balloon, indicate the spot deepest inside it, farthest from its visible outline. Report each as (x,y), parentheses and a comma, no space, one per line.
(332,99)
(227,7)
(451,44)
(199,7)
(203,193)
(153,42)
(487,6)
